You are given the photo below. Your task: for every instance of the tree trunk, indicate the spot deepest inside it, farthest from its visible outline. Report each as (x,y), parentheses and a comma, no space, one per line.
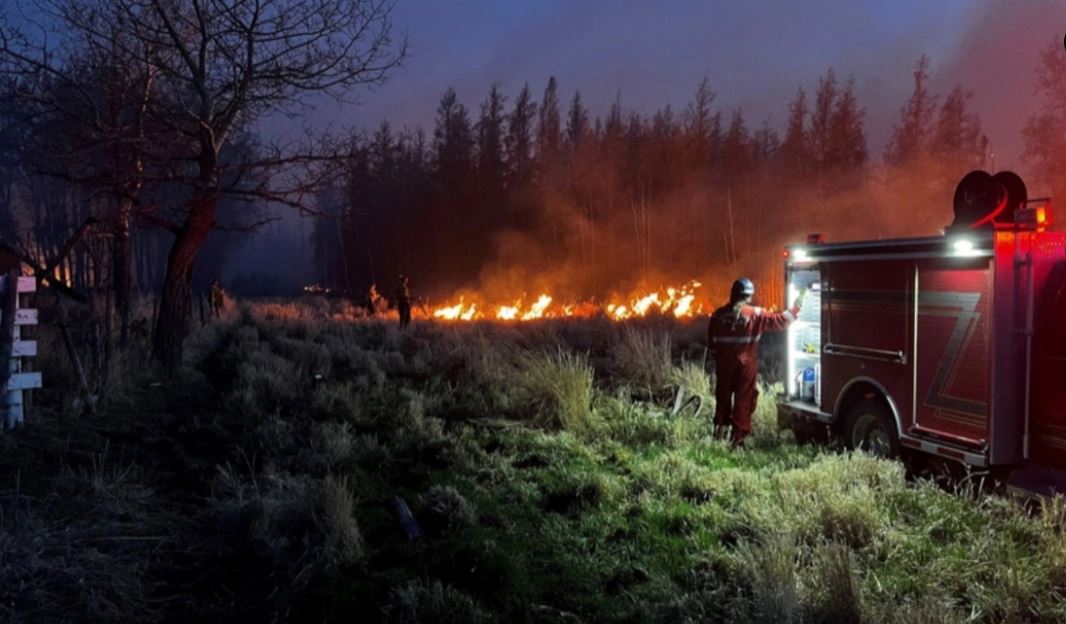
(174,307)
(121,263)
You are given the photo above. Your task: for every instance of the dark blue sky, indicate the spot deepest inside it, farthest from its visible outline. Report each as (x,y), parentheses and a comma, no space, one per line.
(754,53)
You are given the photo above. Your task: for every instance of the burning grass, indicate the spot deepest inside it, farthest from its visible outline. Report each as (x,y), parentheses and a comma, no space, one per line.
(551,472)
(675,301)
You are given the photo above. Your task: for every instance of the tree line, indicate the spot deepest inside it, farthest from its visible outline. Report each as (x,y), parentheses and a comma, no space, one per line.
(530,193)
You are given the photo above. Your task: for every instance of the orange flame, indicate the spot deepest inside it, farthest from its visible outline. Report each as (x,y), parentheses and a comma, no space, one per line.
(679,301)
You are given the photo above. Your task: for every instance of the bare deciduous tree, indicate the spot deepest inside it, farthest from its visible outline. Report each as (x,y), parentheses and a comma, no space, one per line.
(212,69)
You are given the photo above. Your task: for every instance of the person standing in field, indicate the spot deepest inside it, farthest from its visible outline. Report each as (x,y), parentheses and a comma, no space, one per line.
(372,297)
(733,335)
(216,299)
(403,301)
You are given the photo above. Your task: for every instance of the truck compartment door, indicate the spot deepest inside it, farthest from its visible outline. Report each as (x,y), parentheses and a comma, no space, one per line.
(951,389)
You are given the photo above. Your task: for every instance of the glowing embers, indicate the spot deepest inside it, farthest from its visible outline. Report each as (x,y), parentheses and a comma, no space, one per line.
(677,301)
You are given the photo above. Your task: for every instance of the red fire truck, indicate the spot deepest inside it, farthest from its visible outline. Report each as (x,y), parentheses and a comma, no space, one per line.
(951,345)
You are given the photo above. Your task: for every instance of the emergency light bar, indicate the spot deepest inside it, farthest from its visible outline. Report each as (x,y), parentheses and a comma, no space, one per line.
(1034,217)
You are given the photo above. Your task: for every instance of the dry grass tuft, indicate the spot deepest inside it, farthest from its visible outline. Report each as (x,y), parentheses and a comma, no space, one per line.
(556,389)
(641,358)
(423,602)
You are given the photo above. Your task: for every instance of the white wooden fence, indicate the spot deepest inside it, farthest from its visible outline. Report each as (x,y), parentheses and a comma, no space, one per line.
(15,380)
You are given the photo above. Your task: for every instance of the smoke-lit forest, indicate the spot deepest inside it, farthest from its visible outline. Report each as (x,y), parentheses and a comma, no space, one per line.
(530,192)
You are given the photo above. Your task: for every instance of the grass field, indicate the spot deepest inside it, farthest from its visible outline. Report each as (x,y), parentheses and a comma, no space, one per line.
(541,461)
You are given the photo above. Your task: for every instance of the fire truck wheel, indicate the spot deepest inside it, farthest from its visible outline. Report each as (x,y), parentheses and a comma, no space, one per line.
(870,428)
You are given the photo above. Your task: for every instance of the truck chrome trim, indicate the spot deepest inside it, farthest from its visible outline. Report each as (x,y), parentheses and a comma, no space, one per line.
(968,457)
(807,408)
(953,437)
(880,388)
(977,253)
(881,355)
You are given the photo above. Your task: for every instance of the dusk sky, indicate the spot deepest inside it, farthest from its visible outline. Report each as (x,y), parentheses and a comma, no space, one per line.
(754,53)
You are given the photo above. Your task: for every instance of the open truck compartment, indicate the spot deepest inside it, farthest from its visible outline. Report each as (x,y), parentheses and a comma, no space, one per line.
(804,338)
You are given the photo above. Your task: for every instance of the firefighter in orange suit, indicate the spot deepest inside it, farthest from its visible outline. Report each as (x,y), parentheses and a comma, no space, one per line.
(733,335)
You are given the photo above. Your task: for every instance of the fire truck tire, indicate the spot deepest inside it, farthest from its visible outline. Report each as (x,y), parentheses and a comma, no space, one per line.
(869,427)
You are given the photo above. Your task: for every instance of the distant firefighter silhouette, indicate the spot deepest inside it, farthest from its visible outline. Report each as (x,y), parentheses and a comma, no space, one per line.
(372,300)
(733,334)
(403,301)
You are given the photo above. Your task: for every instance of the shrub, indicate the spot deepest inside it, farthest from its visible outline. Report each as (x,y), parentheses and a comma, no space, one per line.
(284,529)
(835,591)
(443,510)
(336,401)
(849,519)
(771,572)
(642,358)
(265,382)
(331,447)
(693,381)
(556,389)
(333,509)
(765,432)
(431,602)
(631,423)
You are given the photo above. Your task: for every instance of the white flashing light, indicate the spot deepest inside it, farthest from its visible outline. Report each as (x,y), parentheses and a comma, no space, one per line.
(799,254)
(964,247)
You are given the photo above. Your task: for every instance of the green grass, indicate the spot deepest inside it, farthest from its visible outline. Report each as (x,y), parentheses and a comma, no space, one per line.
(554,488)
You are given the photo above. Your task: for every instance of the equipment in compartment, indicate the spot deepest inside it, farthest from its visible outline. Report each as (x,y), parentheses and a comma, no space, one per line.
(805,335)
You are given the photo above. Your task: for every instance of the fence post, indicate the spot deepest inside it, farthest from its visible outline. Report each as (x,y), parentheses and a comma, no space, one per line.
(12,380)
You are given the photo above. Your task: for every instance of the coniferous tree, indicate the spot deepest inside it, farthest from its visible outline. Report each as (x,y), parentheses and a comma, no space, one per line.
(737,149)
(490,131)
(519,142)
(956,140)
(825,105)
(453,143)
(795,151)
(1045,132)
(577,121)
(700,124)
(847,135)
(910,135)
(613,128)
(766,146)
(549,125)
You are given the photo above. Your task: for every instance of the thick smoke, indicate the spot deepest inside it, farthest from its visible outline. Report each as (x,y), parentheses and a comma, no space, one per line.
(618,240)
(996,58)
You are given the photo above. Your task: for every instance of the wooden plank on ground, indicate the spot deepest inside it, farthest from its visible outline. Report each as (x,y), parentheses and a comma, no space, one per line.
(24,348)
(24,381)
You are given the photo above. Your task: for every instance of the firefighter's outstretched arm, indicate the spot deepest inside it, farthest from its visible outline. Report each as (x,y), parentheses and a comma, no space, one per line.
(775,321)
